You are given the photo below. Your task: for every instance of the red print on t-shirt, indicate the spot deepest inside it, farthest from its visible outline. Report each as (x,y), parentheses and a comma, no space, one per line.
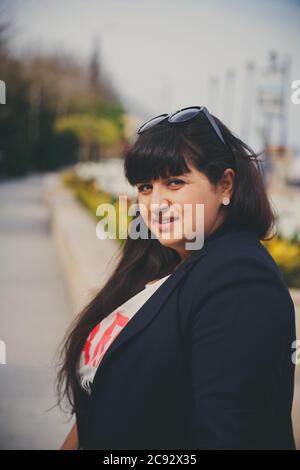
(108,336)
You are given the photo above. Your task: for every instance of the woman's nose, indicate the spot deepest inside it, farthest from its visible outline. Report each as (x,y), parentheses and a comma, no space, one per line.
(159,201)
(163,207)
(160,208)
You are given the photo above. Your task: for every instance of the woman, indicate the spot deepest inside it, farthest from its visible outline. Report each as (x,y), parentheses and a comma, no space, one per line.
(201,358)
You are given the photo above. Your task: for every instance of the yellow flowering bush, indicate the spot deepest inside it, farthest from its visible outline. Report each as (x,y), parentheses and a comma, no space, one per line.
(286,254)
(91,197)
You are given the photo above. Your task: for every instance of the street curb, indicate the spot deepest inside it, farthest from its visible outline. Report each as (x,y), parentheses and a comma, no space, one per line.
(86,260)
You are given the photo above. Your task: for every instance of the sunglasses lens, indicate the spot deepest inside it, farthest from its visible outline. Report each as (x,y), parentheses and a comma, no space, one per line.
(152,123)
(184,115)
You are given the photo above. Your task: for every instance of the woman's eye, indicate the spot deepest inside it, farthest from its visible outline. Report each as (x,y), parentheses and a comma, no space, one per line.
(142,187)
(176,181)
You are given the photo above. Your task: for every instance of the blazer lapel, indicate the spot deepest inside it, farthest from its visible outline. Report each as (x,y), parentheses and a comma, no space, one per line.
(146,313)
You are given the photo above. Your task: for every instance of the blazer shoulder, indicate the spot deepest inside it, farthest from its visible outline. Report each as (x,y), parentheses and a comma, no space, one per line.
(233,260)
(241,249)
(237,269)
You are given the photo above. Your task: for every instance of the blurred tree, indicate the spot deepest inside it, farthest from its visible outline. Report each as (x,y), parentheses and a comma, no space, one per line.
(92,133)
(94,70)
(14,114)
(40,124)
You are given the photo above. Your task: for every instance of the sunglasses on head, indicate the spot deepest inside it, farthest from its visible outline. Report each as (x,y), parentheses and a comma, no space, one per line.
(181,116)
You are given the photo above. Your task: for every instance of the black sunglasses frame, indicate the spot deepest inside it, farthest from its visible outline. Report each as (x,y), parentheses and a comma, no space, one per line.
(199,109)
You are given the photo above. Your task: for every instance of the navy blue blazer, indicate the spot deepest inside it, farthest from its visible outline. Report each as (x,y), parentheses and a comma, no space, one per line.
(206,363)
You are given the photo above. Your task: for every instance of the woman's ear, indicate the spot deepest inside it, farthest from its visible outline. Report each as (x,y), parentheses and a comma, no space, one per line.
(227,182)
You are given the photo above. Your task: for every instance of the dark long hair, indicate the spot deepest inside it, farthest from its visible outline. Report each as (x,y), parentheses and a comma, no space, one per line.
(161,152)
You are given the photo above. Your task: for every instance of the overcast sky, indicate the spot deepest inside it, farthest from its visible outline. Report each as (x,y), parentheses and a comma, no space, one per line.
(161,53)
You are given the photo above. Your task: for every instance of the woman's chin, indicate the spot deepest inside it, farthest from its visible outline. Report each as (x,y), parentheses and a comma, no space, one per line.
(170,242)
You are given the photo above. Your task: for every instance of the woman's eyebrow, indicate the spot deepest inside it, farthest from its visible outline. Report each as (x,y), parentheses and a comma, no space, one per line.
(179,175)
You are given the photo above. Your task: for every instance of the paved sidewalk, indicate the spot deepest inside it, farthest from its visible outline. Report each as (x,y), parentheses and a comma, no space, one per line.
(35,312)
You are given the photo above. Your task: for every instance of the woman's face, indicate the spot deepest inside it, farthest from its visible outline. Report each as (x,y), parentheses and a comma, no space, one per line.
(178,208)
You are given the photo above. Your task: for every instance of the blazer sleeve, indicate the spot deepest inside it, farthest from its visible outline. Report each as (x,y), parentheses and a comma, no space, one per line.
(240,346)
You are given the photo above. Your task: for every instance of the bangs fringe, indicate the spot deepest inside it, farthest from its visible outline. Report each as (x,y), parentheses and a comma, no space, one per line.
(158,153)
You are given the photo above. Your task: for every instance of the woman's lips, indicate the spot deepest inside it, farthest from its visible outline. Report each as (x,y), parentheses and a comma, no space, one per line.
(165,224)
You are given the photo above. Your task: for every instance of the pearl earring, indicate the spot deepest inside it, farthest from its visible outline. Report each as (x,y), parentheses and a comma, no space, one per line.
(225,201)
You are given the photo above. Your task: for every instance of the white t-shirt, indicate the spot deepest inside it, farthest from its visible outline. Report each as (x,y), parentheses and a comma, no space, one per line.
(103,334)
